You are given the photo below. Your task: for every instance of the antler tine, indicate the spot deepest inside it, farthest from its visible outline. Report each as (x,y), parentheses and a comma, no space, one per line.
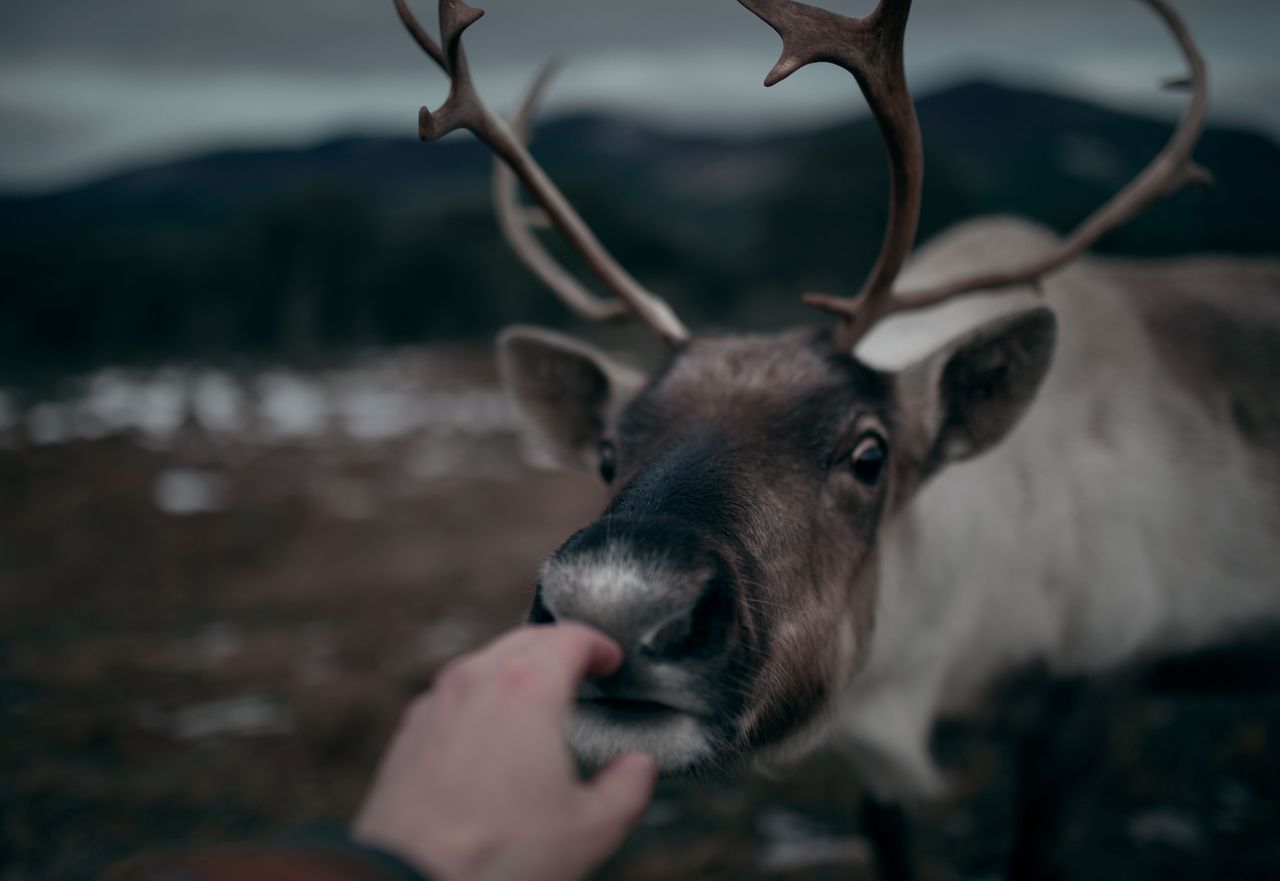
(420,35)
(871,49)
(516,221)
(464,109)
(1168,172)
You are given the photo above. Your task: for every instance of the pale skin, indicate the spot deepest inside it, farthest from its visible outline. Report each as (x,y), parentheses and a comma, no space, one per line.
(478,784)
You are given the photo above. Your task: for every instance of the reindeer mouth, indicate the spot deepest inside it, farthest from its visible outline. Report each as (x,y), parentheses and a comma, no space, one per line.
(603,726)
(624,709)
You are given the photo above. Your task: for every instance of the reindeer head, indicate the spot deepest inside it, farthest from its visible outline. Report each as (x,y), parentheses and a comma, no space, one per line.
(736,562)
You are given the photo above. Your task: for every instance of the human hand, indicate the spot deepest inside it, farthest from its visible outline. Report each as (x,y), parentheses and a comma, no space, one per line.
(478,784)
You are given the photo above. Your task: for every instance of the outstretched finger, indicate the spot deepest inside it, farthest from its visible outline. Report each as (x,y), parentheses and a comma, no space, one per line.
(545,662)
(565,654)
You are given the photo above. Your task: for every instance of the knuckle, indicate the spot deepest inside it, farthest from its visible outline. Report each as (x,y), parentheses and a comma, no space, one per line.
(574,631)
(454,677)
(418,711)
(519,678)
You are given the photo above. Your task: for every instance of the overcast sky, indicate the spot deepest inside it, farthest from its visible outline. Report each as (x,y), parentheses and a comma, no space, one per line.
(88,86)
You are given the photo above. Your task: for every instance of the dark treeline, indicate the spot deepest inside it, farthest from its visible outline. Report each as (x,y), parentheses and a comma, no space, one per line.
(304,255)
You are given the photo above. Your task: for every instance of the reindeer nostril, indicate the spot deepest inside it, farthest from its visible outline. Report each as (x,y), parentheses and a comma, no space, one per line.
(701,632)
(539,613)
(670,638)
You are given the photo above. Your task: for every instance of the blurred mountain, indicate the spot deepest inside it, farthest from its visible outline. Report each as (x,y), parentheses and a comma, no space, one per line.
(304,254)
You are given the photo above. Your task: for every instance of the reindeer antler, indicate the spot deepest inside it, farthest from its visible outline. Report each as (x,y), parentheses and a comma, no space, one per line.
(464,109)
(518,221)
(1170,170)
(871,49)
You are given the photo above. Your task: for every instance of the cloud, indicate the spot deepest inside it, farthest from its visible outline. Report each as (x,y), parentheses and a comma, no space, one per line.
(87,85)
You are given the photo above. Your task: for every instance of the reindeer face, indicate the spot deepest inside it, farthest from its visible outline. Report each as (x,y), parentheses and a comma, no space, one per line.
(735,562)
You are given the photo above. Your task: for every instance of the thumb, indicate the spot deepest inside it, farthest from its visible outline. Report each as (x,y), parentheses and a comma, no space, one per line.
(618,795)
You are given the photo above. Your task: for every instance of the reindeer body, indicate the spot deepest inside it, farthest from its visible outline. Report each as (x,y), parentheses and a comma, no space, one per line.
(1135,510)
(843,533)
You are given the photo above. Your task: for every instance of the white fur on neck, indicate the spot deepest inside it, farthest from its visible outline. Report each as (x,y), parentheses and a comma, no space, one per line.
(1115,521)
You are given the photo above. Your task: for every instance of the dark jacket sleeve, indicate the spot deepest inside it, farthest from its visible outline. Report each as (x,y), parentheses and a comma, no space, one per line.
(310,857)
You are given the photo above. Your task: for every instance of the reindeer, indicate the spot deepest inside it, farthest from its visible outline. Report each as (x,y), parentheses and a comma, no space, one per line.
(789,556)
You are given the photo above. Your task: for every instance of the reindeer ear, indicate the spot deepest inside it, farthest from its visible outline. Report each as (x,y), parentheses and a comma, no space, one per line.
(974,391)
(567,392)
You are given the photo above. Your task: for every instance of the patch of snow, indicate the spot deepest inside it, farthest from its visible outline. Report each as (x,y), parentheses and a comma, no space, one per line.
(247,715)
(116,401)
(218,643)
(1167,828)
(292,406)
(109,399)
(377,414)
(380,400)
(162,404)
(538,457)
(49,423)
(446,638)
(185,491)
(218,403)
(467,411)
(794,843)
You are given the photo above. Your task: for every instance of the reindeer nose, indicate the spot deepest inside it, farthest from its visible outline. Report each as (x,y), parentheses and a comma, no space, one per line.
(666,599)
(699,631)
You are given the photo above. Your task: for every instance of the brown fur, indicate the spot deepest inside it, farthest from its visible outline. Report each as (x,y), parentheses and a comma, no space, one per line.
(792,406)
(739,451)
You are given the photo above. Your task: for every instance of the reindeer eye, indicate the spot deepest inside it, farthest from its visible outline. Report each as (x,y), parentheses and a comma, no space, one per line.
(608,461)
(868,458)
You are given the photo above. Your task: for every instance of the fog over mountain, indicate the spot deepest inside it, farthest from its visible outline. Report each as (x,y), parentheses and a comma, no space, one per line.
(87,86)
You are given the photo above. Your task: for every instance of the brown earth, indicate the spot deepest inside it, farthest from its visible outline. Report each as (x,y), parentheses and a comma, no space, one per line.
(173,681)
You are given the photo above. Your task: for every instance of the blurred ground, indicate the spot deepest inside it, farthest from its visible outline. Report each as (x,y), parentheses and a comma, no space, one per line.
(217,592)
